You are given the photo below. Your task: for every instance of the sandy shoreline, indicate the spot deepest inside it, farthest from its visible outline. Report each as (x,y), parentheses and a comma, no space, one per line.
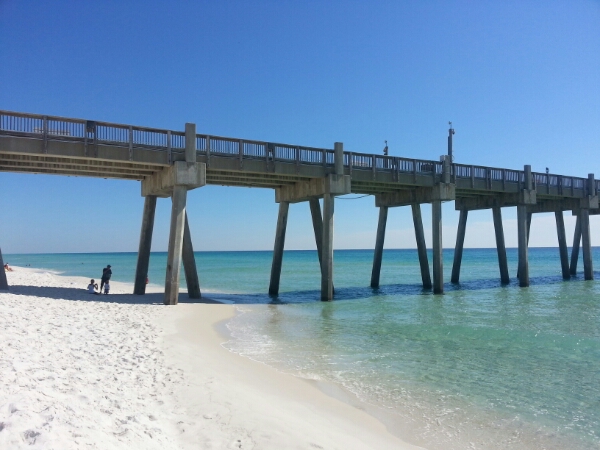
(124,371)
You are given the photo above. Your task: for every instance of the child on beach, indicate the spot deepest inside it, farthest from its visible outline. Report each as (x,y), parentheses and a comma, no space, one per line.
(92,287)
(106,287)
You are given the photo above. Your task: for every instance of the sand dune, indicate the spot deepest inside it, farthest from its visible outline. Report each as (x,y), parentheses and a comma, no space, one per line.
(121,371)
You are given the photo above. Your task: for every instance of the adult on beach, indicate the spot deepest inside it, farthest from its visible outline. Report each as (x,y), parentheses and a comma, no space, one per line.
(106,274)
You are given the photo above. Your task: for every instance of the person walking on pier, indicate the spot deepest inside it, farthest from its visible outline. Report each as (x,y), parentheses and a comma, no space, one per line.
(106,274)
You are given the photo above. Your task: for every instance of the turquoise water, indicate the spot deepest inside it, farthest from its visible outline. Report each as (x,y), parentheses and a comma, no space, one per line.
(484,366)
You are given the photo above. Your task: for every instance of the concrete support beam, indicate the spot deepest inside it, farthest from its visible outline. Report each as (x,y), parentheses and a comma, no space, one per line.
(586,244)
(143,260)
(421,247)
(562,244)
(460,240)
(278,248)
(378,254)
(181,173)
(500,246)
(338,155)
(440,191)
(313,188)
(327,264)
(3,280)
(575,250)
(438,261)
(175,245)
(523,271)
(189,263)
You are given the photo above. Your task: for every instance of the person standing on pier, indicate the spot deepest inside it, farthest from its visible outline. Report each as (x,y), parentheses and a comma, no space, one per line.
(106,274)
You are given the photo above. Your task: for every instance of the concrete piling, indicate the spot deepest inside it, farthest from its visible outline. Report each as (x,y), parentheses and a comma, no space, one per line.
(586,244)
(438,261)
(143,260)
(378,254)
(327,257)
(189,263)
(3,280)
(575,249)
(278,248)
(460,240)
(421,247)
(174,256)
(500,246)
(562,244)
(523,272)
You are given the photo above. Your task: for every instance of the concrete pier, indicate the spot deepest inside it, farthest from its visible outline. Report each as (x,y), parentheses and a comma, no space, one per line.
(438,260)
(575,249)
(378,254)
(500,246)
(458,250)
(143,260)
(421,247)
(562,244)
(174,255)
(3,280)
(189,263)
(278,248)
(523,272)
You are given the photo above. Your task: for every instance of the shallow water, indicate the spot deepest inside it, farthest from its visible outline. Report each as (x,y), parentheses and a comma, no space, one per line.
(484,366)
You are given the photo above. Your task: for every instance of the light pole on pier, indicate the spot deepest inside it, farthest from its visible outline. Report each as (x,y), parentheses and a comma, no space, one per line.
(450,133)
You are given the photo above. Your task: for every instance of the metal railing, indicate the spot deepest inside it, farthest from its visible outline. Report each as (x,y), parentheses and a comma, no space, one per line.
(51,128)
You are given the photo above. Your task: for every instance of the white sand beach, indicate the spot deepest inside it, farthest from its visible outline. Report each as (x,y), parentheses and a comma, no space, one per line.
(121,371)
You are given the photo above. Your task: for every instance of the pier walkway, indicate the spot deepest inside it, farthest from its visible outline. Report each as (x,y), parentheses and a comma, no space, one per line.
(169,163)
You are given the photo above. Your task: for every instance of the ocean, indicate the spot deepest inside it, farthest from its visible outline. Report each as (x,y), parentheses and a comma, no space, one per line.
(484,366)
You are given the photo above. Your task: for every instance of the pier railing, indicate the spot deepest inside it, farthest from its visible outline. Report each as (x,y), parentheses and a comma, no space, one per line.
(50,128)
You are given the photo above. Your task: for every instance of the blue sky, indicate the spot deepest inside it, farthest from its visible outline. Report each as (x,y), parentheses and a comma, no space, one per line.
(519,79)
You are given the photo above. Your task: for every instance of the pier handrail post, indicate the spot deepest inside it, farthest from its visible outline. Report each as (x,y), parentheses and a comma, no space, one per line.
(190,142)
(338,149)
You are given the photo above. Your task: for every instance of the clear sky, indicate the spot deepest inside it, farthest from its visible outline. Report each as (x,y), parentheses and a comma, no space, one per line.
(520,80)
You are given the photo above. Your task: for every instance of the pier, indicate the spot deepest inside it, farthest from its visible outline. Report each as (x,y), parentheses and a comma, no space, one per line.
(170,163)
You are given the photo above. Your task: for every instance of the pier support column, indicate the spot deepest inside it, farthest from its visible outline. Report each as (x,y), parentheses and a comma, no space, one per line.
(278,248)
(586,244)
(421,247)
(562,244)
(460,240)
(143,260)
(3,280)
(378,254)
(174,256)
(523,253)
(189,263)
(500,246)
(575,250)
(317,221)
(327,257)
(438,262)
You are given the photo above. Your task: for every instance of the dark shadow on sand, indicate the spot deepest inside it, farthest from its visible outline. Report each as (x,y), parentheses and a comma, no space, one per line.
(76,294)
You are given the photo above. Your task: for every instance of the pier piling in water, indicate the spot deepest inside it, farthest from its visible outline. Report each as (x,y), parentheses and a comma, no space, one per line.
(421,247)
(500,246)
(438,261)
(562,244)
(278,248)
(460,241)
(378,254)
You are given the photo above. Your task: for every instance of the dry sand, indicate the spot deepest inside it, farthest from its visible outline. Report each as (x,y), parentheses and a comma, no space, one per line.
(121,371)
